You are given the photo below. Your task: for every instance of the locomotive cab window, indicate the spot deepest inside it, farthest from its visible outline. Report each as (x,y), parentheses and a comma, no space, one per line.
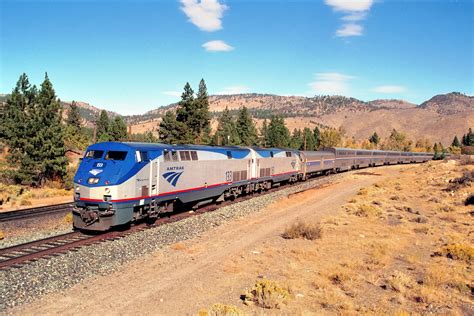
(141,156)
(94,154)
(174,156)
(116,155)
(166,155)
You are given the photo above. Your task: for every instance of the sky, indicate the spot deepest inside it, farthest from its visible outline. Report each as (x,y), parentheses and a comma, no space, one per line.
(133,56)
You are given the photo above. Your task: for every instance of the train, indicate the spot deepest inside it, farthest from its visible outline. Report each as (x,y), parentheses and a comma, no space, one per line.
(119,183)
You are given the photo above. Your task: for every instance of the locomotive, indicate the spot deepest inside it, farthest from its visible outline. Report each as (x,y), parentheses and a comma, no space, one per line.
(118,183)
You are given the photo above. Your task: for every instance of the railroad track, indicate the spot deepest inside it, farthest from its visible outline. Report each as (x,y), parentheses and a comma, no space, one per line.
(35,211)
(22,254)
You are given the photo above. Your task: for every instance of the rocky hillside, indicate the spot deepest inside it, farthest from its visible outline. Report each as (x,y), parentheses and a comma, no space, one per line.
(437,119)
(450,103)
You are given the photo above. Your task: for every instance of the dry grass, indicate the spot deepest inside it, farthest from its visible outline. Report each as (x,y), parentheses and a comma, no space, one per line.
(303,230)
(221,310)
(16,195)
(68,218)
(462,252)
(367,210)
(267,294)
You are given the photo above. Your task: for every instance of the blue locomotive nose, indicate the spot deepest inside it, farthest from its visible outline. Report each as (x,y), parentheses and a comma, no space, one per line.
(104,164)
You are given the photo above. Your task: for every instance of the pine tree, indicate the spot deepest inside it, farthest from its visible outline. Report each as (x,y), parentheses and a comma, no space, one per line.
(374,139)
(317,137)
(470,138)
(118,130)
(309,142)
(226,133)
(186,115)
(456,142)
(246,128)
(264,134)
(201,120)
(278,133)
(74,117)
(103,126)
(169,129)
(296,140)
(14,123)
(45,152)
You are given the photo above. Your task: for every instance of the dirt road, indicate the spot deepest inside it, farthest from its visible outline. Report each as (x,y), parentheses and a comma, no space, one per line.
(188,276)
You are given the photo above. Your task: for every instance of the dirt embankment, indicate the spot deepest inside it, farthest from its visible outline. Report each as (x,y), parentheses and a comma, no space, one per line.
(390,240)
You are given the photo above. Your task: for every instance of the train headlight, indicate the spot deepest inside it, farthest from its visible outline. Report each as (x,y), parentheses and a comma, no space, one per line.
(107,190)
(78,188)
(93,180)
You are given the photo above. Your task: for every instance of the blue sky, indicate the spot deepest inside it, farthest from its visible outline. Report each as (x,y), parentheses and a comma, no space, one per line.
(133,56)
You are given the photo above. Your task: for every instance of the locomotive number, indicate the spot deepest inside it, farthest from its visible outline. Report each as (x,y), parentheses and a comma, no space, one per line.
(99,164)
(228,176)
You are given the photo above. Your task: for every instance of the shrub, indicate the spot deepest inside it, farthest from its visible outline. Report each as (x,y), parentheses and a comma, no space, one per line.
(221,310)
(303,230)
(464,181)
(267,294)
(68,218)
(462,252)
(367,210)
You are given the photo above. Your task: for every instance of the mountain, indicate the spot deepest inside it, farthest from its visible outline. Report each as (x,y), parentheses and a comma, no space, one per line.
(88,112)
(450,103)
(437,119)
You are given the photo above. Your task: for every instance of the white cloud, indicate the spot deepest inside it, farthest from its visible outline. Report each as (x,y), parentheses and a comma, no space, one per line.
(171,93)
(205,14)
(234,90)
(389,89)
(331,83)
(355,16)
(354,11)
(217,46)
(350,5)
(350,29)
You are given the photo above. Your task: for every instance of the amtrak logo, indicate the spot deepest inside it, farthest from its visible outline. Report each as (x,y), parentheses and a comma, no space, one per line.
(95,172)
(172,177)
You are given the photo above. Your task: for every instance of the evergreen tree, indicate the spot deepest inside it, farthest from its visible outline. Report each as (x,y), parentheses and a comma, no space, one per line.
(309,143)
(169,130)
(118,130)
(436,151)
(278,134)
(14,123)
(246,128)
(470,138)
(45,152)
(226,133)
(296,140)
(201,120)
(186,114)
(317,137)
(456,142)
(74,117)
(374,139)
(264,134)
(103,126)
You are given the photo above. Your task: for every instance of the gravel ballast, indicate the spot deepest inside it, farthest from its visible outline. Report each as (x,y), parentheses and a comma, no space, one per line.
(25,284)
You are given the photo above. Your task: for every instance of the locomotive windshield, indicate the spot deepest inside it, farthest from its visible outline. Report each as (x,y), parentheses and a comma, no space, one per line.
(94,154)
(116,155)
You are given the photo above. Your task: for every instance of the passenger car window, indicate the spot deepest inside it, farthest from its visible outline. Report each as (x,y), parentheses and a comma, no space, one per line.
(288,153)
(94,154)
(194,155)
(116,155)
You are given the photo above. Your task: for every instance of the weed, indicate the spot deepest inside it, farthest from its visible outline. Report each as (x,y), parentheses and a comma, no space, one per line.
(399,282)
(303,230)
(363,191)
(68,218)
(25,203)
(447,208)
(462,252)
(266,294)
(367,210)
(2,235)
(221,310)
(465,180)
